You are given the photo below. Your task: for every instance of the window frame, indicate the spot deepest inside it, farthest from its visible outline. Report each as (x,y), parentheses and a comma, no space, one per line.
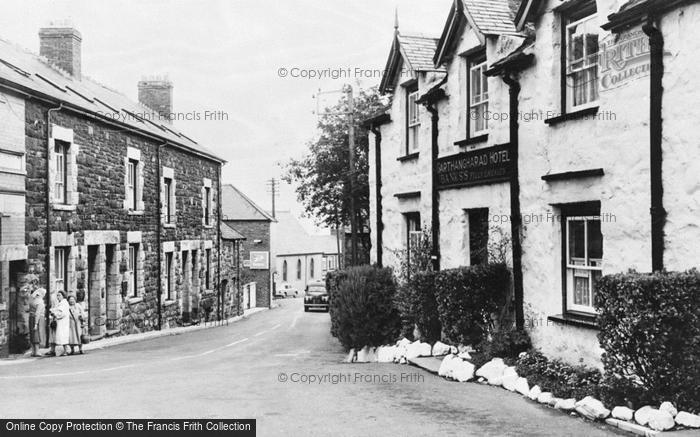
(472,217)
(412,124)
(133,182)
(311,268)
(569,18)
(169,276)
(477,61)
(60,267)
(284,270)
(132,261)
(167,193)
(207,273)
(590,211)
(299,269)
(61,156)
(207,206)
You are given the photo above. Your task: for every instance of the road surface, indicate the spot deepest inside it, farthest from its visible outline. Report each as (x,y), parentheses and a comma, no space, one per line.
(281,367)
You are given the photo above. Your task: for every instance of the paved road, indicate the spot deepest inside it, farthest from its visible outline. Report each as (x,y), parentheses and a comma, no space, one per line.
(234,372)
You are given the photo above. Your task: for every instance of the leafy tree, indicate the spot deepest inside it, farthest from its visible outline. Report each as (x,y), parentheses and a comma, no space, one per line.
(322,177)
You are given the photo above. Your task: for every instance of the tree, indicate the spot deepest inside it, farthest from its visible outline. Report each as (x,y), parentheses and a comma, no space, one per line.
(322,177)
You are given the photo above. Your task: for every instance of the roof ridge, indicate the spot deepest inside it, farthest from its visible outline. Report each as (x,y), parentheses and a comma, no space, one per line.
(251,202)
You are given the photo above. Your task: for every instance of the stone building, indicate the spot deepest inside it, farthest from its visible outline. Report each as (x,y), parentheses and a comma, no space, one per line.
(120,208)
(301,257)
(252,222)
(562,122)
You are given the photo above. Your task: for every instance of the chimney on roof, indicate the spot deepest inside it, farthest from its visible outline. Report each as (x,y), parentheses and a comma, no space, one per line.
(157,94)
(60,44)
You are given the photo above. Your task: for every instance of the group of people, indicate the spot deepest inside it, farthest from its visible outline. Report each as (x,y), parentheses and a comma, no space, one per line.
(65,325)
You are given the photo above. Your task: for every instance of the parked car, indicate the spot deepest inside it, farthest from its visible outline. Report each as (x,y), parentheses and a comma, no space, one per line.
(287,291)
(316,297)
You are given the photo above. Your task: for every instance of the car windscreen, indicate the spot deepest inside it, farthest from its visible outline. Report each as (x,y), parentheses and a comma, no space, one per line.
(316,289)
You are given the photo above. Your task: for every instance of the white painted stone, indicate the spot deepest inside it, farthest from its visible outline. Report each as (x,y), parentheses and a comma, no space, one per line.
(492,371)
(534,392)
(669,408)
(402,360)
(351,356)
(565,404)
(465,355)
(686,419)
(386,354)
(510,371)
(592,408)
(440,349)
(622,413)
(418,349)
(642,415)
(509,382)
(445,368)
(661,420)
(554,401)
(463,371)
(522,387)
(545,397)
(363,355)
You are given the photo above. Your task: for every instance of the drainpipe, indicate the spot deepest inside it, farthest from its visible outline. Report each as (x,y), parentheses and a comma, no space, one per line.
(47,260)
(220,296)
(658,213)
(378,192)
(435,195)
(515,215)
(159,249)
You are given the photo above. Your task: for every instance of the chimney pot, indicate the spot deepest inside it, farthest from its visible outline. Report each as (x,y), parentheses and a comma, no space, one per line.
(61,45)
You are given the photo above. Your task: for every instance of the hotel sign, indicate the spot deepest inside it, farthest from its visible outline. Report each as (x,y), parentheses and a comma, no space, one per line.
(478,167)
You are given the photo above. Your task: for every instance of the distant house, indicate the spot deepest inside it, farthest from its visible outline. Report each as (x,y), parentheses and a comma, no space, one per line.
(244,216)
(301,257)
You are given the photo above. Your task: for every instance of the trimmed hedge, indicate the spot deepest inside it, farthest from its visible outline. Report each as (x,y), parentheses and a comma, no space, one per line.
(416,303)
(362,306)
(467,297)
(650,332)
(561,379)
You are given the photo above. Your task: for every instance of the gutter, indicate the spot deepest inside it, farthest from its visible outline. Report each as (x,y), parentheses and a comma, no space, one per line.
(159,244)
(218,245)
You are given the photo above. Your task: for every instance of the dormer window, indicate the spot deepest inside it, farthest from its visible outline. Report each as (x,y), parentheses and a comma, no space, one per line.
(478,97)
(581,70)
(412,120)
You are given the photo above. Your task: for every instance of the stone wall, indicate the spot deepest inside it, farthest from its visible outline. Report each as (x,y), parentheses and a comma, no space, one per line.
(254,230)
(97,227)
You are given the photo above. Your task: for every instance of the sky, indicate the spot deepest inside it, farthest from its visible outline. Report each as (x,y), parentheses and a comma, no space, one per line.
(252,60)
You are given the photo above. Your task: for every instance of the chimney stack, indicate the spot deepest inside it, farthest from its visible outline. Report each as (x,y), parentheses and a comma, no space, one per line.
(60,44)
(157,94)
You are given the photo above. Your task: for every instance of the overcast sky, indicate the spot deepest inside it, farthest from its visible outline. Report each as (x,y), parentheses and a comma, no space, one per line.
(226,55)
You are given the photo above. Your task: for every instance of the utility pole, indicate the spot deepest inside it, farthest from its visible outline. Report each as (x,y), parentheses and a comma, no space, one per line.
(351,146)
(273,184)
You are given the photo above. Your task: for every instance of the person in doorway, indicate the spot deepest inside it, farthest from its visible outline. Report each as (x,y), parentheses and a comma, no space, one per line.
(37,320)
(62,314)
(76,320)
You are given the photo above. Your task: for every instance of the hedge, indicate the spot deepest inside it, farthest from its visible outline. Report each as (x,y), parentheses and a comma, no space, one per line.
(416,303)
(467,297)
(561,379)
(650,334)
(362,307)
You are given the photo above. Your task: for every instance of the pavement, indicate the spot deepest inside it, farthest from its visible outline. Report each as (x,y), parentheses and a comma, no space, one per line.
(281,367)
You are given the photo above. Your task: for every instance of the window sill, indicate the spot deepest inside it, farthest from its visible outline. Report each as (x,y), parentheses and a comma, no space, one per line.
(63,207)
(473,140)
(582,320)
(136,212)
(135,300)
(575,115)
(169,225)
(208,226)
(3,306)
(167,303)
(409,157)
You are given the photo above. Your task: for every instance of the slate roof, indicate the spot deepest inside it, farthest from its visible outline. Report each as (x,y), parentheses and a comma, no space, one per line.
(492,16)
(290,238)
(228,233)
(32,74)
(419,51)
(237,206)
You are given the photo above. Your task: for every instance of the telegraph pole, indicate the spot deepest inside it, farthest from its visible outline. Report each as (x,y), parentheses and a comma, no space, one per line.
(351,146)
(273,184)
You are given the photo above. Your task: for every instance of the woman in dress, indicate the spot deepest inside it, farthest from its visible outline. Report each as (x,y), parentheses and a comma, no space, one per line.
(76,325)
(62,314)
(37,320)
(52,326)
